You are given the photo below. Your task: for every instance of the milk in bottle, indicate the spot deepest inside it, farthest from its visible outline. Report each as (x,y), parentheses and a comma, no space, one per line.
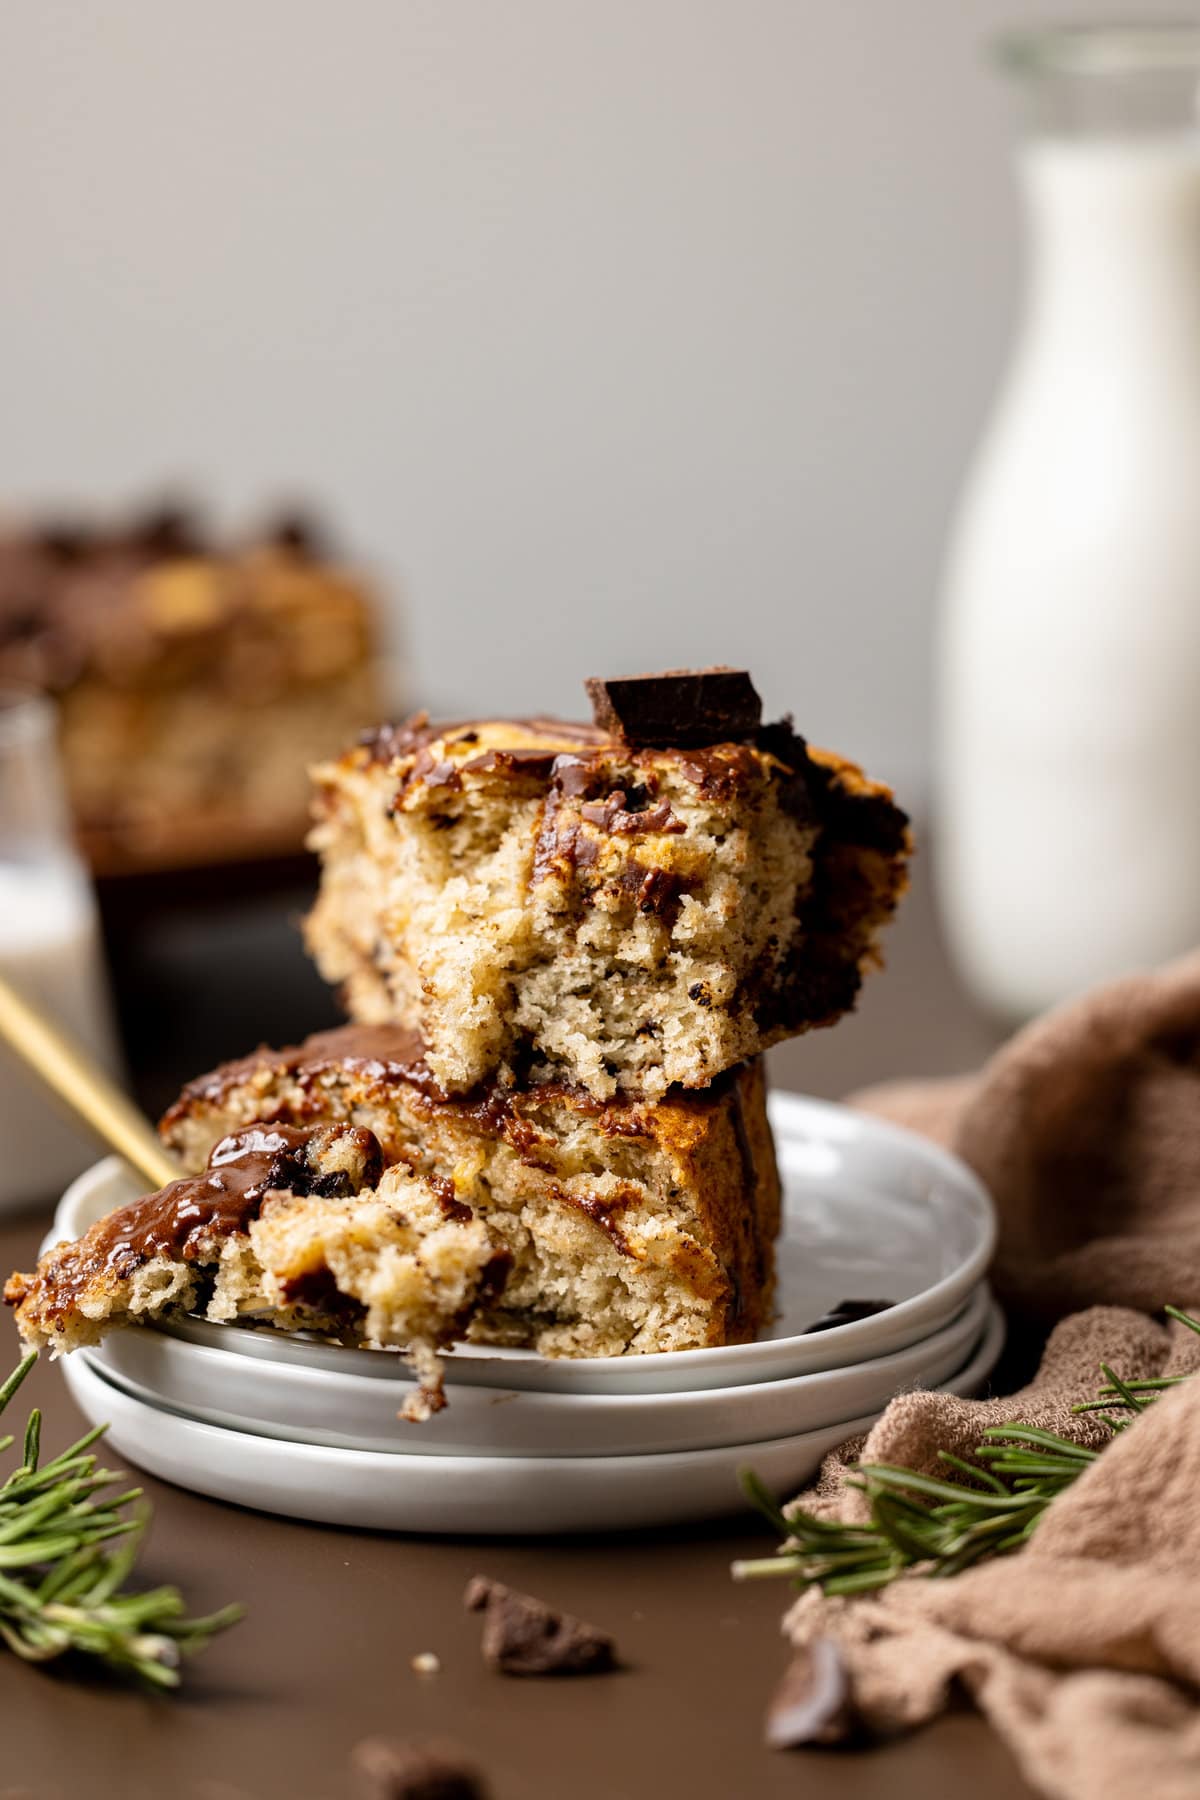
(1069,656)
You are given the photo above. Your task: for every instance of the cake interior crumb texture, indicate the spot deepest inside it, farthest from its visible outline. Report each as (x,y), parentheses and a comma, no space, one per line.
(534,899)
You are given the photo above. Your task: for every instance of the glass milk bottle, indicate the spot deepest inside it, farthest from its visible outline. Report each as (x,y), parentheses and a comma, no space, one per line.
(49,950)
(1069,654)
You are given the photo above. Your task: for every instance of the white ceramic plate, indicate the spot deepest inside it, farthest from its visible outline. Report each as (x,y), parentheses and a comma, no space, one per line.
(510,1496)
(871,1212)
(327,1406)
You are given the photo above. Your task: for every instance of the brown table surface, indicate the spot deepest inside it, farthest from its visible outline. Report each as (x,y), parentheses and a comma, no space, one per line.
(334,1617)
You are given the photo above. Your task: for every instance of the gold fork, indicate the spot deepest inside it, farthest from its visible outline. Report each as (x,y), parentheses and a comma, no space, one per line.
(81,1084)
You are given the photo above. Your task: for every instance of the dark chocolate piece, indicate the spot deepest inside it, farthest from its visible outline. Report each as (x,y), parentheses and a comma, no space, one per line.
(812,1704)
(390,1771)
(524,1636)
(847,1312)
(681,708)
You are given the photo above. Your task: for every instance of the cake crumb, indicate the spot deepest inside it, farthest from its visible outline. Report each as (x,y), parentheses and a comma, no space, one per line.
(426,1663)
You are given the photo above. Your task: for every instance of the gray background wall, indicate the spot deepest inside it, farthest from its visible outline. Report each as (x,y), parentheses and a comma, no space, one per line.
(621,332)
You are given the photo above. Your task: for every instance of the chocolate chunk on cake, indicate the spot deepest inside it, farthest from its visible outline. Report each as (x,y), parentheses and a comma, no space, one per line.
(593,904)
(630,1225)
(195,679)
(682,707)
(301,1226)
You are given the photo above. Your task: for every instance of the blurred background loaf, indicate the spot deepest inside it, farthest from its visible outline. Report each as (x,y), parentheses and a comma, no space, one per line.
(195,679)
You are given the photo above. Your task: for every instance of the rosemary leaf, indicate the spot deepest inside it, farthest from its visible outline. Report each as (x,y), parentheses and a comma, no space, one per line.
(922,1524)
(62,1589)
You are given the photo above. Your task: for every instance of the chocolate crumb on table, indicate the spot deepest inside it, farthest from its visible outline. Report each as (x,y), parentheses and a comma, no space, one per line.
(812,1704)
(848,1312)
(201,1790)
(388,1770)
(524,1636)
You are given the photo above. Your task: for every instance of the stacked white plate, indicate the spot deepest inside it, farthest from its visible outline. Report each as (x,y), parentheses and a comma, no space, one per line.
(530,1444)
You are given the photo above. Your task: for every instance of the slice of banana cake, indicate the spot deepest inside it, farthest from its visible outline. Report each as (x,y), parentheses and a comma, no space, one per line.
(630,1225)
(625,906)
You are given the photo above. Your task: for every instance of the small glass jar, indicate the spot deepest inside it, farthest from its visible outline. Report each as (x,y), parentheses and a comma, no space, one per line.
(50,950)
(1069,645)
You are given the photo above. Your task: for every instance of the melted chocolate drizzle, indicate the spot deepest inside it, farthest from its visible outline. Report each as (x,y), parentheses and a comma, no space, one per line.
(186,1218)
(243,1168)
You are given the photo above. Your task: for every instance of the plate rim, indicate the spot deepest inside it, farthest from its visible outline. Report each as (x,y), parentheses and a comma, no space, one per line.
(978,1302)
(667,1461)
(546,1423)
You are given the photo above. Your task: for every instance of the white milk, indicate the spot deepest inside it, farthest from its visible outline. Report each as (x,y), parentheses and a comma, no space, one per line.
(50,950)
(1070,651)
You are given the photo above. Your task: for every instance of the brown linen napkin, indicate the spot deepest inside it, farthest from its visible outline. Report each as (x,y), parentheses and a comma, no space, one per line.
(1086,1129)
(1084,1649)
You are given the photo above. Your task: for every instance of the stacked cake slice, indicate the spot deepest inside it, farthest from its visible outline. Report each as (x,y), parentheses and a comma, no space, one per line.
(541,902)
(624,1225)
(564,949)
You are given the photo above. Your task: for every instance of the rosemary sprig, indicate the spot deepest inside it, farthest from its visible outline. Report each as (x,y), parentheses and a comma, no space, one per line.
(61,1589)
(988,1507)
